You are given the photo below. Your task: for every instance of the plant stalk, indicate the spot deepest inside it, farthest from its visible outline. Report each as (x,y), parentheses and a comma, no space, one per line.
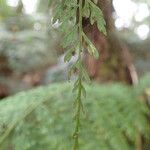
(79,94)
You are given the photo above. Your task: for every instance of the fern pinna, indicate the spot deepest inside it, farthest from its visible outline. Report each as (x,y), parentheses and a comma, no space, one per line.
(69,15)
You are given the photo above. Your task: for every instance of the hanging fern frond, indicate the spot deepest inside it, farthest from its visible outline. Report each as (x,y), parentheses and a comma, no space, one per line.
(69,15)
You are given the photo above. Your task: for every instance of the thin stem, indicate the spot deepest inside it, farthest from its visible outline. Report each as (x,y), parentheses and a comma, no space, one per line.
(76,133)
(79,102)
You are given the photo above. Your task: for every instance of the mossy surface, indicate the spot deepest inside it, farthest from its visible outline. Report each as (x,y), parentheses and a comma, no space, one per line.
(42,119)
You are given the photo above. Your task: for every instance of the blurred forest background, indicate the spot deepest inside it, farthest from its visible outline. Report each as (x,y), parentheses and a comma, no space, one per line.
(31,55)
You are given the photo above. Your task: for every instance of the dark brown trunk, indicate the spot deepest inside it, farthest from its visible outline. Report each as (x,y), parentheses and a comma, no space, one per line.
(115,62)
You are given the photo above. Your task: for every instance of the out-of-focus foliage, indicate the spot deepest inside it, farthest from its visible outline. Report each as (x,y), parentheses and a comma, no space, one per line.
(144,83)
(40,119)
(26,50)
(145,1)
(141,53)
(5,10)
(25,43)
(19,23)
(28,46)
(43,6)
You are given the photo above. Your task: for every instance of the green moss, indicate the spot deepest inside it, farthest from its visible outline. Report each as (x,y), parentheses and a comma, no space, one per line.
(42,119)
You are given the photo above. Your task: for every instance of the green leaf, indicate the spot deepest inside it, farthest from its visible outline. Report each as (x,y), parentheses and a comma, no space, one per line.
(101,26)
(76,85)
(72,69)
(57,13)
(95,1)
(85,75)
(91,48)
(70,38)
(86,10)
(97,16)
(70,3)
(68,55)
(83,91)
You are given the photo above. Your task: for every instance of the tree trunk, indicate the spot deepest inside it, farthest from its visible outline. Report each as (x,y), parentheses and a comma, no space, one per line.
(115,62)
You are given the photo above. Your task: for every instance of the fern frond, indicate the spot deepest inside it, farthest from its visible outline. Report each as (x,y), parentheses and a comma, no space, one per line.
(40,119)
